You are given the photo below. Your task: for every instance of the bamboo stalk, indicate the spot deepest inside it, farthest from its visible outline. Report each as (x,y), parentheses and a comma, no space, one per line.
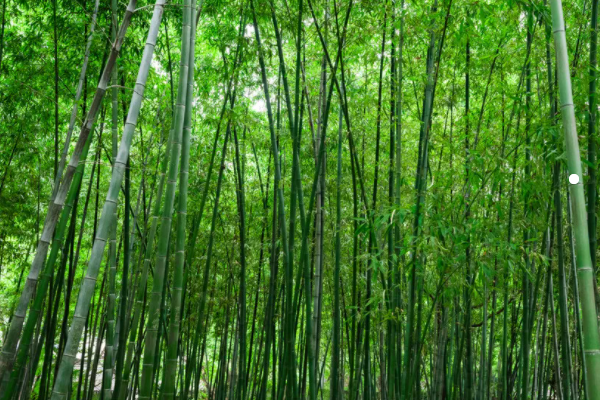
(61,387)
(585,273)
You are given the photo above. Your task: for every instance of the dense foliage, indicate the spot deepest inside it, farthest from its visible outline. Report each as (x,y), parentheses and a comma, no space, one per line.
(267,199)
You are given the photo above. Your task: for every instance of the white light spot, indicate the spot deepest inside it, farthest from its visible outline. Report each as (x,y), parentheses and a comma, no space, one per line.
(259,106)
(573,179)
(249,32)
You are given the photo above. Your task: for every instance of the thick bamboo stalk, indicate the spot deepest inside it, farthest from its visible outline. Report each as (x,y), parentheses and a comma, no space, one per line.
(61,387)
(585,272)
(592,140)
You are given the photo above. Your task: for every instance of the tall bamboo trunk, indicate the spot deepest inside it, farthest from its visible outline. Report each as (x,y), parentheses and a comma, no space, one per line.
(420,186)
(241,200)
(335,360)
(61,387)
(585,272)
(290,358)
(319,216)
(160,270)
(107,371)
(592,140)
(526,284)
(170,367)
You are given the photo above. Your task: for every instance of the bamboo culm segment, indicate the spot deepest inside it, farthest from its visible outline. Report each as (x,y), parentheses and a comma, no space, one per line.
(585,272)
(61,386)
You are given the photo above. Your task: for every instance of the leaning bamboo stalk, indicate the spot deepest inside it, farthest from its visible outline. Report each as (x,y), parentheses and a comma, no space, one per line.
(61,386)
(54,209)
(46,276)
(312,321)
(557,372)
(585,273)
(270,306)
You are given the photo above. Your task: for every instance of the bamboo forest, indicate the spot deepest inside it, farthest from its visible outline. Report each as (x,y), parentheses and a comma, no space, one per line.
(299,199)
